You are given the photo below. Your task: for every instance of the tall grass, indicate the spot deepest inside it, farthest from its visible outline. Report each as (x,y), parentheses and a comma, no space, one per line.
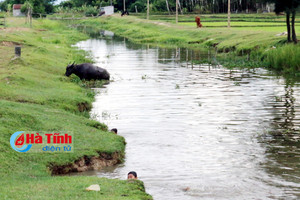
(285,58)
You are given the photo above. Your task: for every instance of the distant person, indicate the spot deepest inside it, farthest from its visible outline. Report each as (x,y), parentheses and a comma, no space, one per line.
(132,175)
(114,130)
(197,20)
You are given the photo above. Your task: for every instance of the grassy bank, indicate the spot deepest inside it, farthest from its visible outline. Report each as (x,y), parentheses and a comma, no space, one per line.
(36,96)
(253,45)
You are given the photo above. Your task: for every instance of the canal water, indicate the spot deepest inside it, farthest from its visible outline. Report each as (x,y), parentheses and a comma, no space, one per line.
(198,131)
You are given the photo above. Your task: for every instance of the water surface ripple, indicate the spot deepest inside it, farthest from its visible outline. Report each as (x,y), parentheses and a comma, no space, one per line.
(201,133)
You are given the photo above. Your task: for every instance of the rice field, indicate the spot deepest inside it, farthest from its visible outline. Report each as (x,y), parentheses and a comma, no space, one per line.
(256,22)
(253,26)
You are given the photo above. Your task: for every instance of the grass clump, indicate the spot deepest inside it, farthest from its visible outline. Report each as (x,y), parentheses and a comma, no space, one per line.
(285,58)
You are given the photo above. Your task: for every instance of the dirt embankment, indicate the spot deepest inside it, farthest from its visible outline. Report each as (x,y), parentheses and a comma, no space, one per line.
(87,163)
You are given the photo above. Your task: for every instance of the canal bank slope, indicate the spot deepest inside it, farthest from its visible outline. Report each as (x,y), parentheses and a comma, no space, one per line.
(234,47)
(36,96)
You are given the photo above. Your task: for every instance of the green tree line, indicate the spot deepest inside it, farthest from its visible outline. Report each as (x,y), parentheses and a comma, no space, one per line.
(203,6)
(39,6)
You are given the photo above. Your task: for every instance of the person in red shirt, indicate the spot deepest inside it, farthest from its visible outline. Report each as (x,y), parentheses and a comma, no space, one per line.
(197,20)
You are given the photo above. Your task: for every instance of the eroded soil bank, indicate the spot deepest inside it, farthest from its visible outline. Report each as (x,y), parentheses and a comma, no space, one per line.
(88,163)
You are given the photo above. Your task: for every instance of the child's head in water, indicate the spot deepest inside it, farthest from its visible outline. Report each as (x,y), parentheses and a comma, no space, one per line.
(132,175)
(114,130)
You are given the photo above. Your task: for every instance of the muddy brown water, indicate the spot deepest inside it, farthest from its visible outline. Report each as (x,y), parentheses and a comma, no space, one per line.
(201,133)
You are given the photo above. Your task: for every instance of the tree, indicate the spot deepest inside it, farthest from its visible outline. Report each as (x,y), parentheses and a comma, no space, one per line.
(3,6)
(9,7)
(290,9)
(39,6)
(26,7)
(67,4)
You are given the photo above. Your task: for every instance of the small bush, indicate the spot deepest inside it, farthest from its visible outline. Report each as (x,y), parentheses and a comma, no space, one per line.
(91,11)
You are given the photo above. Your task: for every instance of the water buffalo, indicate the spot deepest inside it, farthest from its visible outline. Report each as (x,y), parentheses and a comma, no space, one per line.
(124,13)
(87,71)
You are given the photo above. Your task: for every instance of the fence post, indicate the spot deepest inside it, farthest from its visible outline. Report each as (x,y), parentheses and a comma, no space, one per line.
(17,51)
(187,57)
(192,59)
(30,17)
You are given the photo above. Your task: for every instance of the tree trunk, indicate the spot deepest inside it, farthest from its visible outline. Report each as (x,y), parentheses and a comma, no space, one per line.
(168,6)
(228,20)
(288,26)
(176,11)
(294,37)
(148,9)
(180,7)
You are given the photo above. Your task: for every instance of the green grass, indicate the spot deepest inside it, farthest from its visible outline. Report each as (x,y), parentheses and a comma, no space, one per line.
(36,96)
(264,26)
(275,28)
(285,58)
(268,17)
(239,41)
(67,187)
(159,33)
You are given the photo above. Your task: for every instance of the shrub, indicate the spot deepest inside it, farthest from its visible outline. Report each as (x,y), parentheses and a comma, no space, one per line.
(91,11)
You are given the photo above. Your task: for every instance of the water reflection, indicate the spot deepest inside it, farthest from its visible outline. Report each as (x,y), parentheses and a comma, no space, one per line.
(223,134)
(282,142)
(289,109)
